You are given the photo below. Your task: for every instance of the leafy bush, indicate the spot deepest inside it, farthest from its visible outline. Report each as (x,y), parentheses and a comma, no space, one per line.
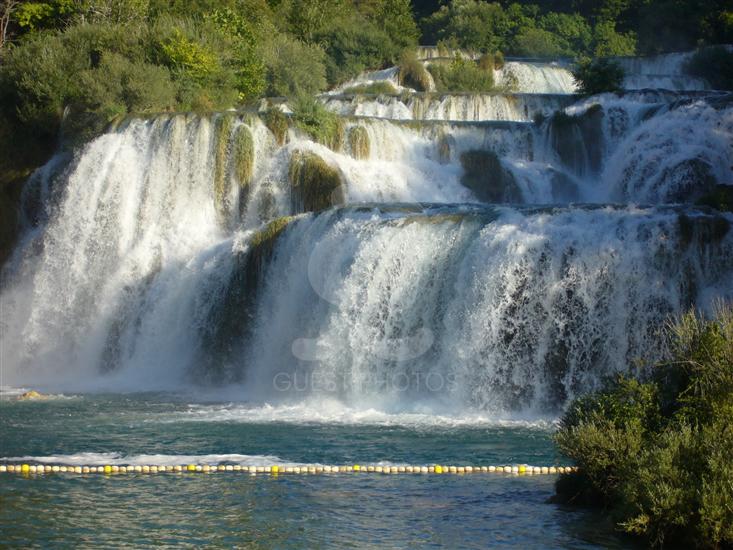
(353,45)
(659,452)
(470,24)
(598,76)
(461,76)
(293,67)
(714,65)
(608,42)
(535,42)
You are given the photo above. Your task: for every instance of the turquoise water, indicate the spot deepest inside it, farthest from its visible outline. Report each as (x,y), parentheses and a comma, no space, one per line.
(228,510)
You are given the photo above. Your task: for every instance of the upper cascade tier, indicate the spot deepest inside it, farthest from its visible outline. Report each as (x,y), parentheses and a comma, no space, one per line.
(650,147)
(463,107)
(547,76)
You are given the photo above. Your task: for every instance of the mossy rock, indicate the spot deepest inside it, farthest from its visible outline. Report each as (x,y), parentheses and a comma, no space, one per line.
(315,185)
(487,178)
(222,133)
(244,153)
(277,122)
(232,317)
(359,142)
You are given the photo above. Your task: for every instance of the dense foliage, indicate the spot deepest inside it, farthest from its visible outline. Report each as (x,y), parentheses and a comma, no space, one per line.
(658,450)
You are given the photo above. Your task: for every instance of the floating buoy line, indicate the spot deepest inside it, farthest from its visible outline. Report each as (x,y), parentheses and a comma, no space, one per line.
(276,469)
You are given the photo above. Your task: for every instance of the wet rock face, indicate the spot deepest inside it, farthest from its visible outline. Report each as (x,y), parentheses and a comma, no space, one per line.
(564,189)
(578,140)
(484,174)
(687,181)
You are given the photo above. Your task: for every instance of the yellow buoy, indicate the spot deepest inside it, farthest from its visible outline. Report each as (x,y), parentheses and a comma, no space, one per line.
(25,468)
(438,469)
(108,469)
(357,467)
(521,469)
(274,469)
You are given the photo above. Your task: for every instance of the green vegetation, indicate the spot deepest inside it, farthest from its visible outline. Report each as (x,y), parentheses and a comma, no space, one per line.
(657,451)
(714,65)
(294,68)
(319,123)
(359,142)
(591,28)
(598,76)
(461,75)
(315,184)
(380,87)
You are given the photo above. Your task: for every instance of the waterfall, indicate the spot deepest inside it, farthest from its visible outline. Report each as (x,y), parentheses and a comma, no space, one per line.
(500,309)
(665,71)
(180,250)
(535,78)
(450,107)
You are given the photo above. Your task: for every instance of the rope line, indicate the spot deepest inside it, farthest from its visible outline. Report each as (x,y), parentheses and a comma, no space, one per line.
(276,469)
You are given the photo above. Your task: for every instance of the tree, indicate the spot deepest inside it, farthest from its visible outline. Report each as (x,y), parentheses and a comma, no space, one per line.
(6,14)
(608,42)
(294,68)
(598,76)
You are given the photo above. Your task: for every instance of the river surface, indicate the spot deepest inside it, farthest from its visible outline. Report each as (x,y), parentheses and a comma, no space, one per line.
(286,511)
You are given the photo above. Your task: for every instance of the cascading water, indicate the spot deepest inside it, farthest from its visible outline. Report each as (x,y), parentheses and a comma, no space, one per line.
(453,107)
(146,263)
(498,309)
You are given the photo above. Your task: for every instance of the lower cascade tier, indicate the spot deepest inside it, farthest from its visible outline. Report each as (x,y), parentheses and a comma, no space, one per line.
(438,308)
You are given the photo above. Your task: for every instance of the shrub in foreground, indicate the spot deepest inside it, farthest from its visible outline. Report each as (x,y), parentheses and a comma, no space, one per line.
(658,451)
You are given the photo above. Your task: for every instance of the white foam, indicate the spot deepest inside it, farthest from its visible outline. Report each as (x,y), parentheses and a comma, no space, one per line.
(118,459)
(331,412)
